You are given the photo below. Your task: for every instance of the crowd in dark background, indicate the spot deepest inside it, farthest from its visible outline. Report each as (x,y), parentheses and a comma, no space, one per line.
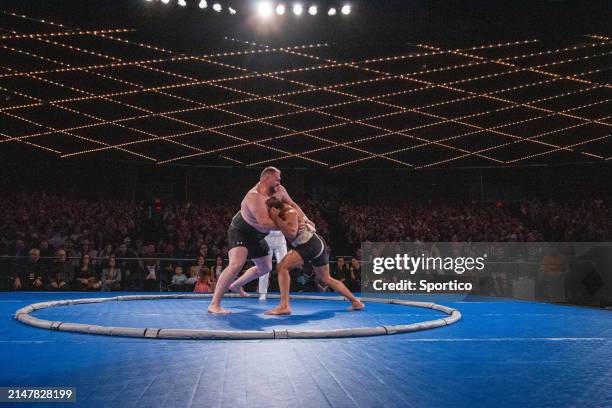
(50,242)
(523,221)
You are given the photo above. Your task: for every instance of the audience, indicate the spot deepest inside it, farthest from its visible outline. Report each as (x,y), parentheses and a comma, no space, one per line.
(217,268)
(353,281)
(62,272)
(85,277)
(35,272)
(178,280)
(111,276)
(193,277)
(62,243)
(203,284)
(340,270)
(151,270)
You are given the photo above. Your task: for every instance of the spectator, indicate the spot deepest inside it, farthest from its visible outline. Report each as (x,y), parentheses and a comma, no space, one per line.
(62,274)
(340,270)
(151,275)
(111,276)
(203,285)
(85,276)
(35,274)
(129,267)
(193,277)
(354,280)
(178,280)
(218,268)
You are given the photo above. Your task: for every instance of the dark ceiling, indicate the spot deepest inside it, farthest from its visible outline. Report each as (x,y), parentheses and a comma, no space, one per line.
(404,84)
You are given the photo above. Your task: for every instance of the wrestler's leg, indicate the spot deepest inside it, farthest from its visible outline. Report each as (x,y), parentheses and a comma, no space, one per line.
(237,258)
(263,265)
(323,274)
(290,261)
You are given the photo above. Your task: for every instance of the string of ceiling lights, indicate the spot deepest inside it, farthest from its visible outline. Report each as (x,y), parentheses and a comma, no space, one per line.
(264,9)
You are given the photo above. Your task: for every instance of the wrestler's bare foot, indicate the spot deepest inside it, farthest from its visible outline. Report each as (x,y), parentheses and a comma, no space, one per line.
(217,310)
(356,306)
(239,290)
(279,311)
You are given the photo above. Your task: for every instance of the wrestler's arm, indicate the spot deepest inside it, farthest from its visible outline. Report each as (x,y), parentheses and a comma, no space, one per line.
(288,225)
(284,197)
(260,211)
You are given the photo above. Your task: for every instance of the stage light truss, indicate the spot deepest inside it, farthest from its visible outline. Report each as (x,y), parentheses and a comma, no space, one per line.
(575,71)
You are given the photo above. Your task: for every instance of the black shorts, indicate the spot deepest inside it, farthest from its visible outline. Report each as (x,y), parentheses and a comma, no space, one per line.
(314,251)
(241,234)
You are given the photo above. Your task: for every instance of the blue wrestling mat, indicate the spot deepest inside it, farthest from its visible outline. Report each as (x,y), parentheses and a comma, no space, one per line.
(502,353)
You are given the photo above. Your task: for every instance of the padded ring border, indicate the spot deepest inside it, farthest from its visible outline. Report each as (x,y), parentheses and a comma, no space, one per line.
(23,315)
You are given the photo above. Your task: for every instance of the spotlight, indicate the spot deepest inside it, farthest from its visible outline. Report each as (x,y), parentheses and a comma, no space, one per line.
(346,9)
(332,12)
(264,9)
(203,4)
(232,11)
(182,3)
(312,10)
(149,1)
(280,9)
(217,7)
(297,9)
(165,1)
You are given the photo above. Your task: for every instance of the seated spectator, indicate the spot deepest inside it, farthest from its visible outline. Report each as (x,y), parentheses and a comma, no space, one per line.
(35,273)
(193,277)
(201,262)
(203,285)
(85,276)
(353,282)
(340,270)
(178,280)
(217,269)
(129,268)
(62,273)
(151,275)
(111,276)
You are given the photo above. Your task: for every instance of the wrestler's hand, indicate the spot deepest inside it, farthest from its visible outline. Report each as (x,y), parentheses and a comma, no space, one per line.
(309,221)
(280,192)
